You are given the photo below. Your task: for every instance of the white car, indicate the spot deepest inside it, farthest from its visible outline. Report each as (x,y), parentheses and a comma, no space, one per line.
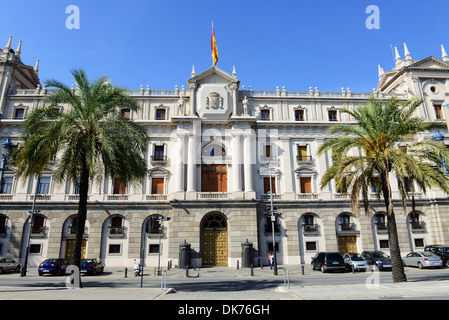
(356,261)
(422,259)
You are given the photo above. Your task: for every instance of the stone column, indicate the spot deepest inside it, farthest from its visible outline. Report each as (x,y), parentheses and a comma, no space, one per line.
(179,164)
(287,169)
(236,163)
(249,161)
(191,165)
(234,89)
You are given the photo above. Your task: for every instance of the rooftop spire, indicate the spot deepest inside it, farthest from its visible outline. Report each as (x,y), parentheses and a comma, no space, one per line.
(193,70)
(381,71)
(19,48)
(8,45)
(397,56)
(408,57)
(36,67)
(444,53)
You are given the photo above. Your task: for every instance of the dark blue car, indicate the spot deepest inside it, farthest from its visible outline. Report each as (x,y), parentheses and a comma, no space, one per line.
(92,266)
(53,266)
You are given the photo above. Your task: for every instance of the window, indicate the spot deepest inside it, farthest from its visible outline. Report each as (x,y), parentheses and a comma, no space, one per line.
(154,248)
(35,248)
(157,186)
(267,151)
(2,225)
(270,246)
(438,111)
(7,185)
(116,226)
(345,222)
(38,225)
(19,113)
(160,114)
(266,185)
(115,249)
(126,113)
(383,244)
(299,115)
(269,225)
(380,221)
(305,184)
(159,153)
(265,114)
(153,224)
(311,246)
(332,115)
(419,243)
(302,153)
(119,187)
(44,186)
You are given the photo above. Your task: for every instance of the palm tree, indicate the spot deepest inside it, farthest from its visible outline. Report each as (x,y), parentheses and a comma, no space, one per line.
(92,139)
(386,136)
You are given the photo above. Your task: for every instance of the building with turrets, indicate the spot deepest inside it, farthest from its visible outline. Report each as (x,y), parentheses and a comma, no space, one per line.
(219,153)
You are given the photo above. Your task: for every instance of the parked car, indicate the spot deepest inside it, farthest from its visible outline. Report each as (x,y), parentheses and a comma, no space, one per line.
(8,264)
(422,259)
(92,266)
(377,258)
(328,261)
(442,251)
(53,266)
(356,261)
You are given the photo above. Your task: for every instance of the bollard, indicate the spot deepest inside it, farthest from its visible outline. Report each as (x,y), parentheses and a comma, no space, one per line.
(126,272)
(353,269)
(260,263)
(237,264)
(302,269)
(252,270)
(187,271)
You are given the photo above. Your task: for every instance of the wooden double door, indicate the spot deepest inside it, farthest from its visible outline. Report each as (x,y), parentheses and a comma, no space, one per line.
(214,241)
(70,247)
(347,244)
(214,178)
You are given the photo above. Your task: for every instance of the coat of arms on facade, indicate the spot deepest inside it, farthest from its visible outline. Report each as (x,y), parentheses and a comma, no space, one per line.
(214,101)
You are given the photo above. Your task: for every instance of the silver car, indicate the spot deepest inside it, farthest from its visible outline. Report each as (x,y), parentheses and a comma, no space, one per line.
(422,259)
(8,264)
(356,261)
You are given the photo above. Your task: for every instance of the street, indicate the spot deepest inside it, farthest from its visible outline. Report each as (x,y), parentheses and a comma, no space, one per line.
(219,279)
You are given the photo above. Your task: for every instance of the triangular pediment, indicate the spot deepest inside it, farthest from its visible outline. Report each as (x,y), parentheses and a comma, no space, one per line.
(430,63)
(213,75)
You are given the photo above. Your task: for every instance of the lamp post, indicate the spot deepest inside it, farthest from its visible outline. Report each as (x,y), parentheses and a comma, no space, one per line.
(7,146)
(273,219)
(32,212)
(160,219)
(439,137)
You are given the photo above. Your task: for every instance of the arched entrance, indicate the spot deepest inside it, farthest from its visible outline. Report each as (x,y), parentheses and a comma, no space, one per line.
(214,242)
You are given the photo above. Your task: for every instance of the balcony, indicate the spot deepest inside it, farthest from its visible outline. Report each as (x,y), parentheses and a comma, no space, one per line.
(158,159)
(267,196)
(213,195)
(269,228)
(307,196)
(116,232)
(38,231)
(418,227)
(310,229)
(381,228)
(156,197)
(304,159)
(347,229)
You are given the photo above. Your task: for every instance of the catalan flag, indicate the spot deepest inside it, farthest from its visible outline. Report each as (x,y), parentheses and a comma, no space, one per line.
(213,45)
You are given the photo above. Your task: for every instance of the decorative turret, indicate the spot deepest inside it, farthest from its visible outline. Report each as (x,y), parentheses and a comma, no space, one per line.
(8,45)
(444,54)
(36,67)
(408,58)
(19,49)
(397,56)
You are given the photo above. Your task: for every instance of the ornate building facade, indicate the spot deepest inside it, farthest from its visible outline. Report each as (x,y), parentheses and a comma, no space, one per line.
(219,153)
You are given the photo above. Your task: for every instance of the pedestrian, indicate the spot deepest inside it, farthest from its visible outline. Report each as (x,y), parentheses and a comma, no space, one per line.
(270,260)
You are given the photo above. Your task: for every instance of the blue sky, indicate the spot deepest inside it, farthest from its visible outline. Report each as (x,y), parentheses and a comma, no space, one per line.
(296,44)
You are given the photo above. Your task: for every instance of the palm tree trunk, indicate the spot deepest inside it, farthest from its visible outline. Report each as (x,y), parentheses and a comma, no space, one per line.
(82,214)
(398,272)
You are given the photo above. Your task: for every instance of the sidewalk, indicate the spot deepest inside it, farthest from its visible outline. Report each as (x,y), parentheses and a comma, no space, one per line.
(222,283)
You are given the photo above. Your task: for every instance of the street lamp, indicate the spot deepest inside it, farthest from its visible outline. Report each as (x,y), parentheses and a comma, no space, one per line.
(273,220)
(7,147)
(160,219)
(32,212)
